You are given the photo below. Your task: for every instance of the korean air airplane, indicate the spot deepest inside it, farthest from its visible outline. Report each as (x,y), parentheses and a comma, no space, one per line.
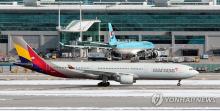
(132,47)
(124,73)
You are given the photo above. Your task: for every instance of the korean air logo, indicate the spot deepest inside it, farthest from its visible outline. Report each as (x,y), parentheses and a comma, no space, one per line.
(157,99)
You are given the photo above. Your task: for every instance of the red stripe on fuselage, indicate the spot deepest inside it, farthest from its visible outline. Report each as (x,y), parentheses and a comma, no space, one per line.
(38,61)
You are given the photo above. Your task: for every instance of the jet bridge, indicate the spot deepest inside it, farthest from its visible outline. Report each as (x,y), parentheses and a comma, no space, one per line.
(77,26)
(89,30)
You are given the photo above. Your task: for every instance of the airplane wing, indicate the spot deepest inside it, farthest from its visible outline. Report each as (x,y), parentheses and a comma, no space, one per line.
(80,46)
(99,72)
(98,43)
(105,73)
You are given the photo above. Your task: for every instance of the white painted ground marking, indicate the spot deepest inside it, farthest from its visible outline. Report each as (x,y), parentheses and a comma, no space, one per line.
(109,109)
(113,93)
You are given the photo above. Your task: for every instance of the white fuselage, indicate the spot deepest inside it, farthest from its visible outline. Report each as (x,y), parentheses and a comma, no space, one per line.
(129,51)
(138,70)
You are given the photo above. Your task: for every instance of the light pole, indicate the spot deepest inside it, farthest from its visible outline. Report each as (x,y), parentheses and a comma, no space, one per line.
(59,28)
(80,14)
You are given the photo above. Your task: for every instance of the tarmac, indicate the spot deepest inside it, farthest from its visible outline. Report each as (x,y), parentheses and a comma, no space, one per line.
(74,95)
(34,91)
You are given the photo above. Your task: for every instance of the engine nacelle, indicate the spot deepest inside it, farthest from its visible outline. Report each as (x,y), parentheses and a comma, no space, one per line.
(125,79)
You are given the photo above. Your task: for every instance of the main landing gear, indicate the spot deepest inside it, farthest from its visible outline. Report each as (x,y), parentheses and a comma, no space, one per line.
(179,84)
(104,82)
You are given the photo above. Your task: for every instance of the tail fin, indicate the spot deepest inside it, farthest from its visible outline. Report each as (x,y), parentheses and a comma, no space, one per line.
(29,56)
(112,38)
(22,49)
(26,53)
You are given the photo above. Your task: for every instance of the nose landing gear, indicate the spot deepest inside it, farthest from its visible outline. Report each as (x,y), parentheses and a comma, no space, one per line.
(179,84)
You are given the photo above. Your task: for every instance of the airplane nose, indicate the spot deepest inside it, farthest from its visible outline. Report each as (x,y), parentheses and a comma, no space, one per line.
(195,72)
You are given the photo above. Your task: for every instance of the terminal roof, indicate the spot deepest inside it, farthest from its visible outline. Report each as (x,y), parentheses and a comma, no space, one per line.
(110,7)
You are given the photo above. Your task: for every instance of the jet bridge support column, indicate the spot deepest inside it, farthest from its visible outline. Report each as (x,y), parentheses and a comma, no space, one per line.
(206,45)
(139,38)
(9,43)
(41,40)
(83,52)
(173,45)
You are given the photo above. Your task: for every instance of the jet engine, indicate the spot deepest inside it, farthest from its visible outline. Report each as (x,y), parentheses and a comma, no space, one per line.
(125,79)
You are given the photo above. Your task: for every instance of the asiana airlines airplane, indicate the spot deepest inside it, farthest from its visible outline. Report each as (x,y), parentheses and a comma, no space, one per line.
(124,73)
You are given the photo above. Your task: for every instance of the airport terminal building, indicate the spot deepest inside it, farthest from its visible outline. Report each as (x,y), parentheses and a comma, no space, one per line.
(188,30)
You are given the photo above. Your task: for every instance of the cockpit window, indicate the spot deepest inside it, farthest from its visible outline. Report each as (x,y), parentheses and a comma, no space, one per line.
(190,68)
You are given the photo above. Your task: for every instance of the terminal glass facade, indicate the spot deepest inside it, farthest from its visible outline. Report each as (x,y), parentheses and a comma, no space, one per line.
(121,21)
(11,0)
(3,38)
(218,2)
(190,39)
(159,39)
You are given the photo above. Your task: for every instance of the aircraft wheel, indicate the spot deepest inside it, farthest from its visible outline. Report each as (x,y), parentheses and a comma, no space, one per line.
(109,58)
(150,57)
(103,84)
(100,84)
(108,83)
(179,84)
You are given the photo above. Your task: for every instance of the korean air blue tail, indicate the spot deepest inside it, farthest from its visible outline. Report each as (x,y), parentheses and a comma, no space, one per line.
(112,38)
